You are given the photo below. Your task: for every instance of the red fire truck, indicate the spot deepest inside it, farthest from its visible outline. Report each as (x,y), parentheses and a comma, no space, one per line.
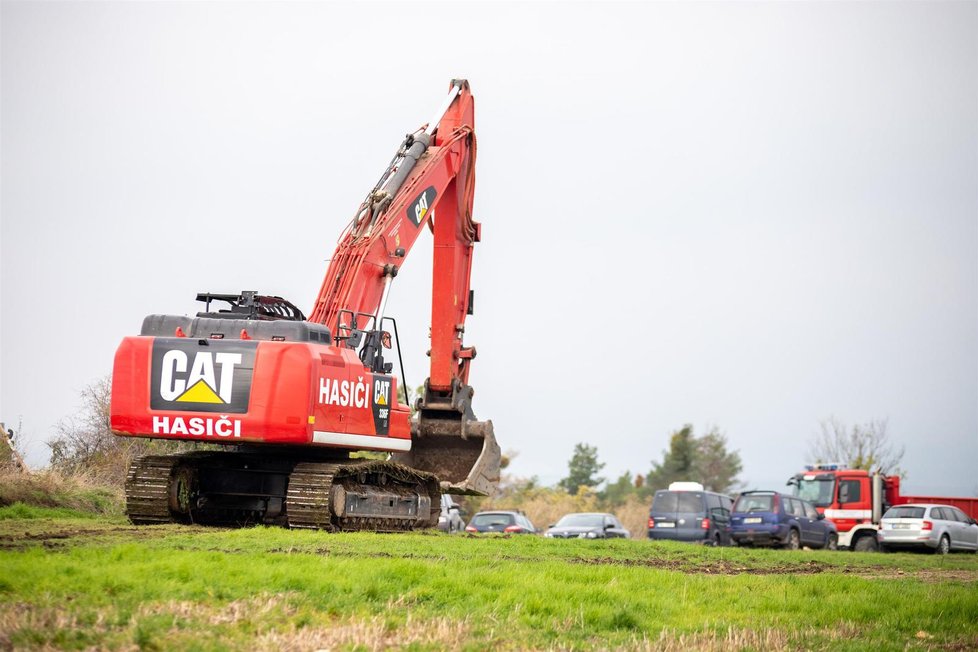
(855,500)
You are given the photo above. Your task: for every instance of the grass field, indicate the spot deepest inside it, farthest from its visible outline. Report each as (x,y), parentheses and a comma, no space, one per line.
(79,582)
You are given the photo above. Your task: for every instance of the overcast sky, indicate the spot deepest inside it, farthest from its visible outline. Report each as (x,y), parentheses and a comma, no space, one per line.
(753,216)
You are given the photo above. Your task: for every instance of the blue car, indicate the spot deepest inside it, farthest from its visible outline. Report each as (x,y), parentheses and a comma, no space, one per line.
(769,518)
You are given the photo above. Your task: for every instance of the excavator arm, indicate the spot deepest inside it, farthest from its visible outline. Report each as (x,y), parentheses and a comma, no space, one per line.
(430,181)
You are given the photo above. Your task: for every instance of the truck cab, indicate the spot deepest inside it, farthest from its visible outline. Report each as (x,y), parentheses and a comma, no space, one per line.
(853,499)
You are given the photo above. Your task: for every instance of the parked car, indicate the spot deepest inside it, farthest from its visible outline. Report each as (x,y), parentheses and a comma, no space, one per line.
(769,518)
(940,528)
(685,512)
(513,522)
(588,526)
(450,519)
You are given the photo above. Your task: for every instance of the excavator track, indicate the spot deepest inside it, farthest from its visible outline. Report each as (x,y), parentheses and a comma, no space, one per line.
(239,489)
(361,495)
(308,500)
(148,489)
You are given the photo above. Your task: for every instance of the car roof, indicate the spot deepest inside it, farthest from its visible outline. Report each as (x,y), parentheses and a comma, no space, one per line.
(588,514)
(760,491)
(922,505)
(500,511)
(691,491)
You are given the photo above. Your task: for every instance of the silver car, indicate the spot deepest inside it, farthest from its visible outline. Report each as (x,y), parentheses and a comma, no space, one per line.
(450,519)
(940,528)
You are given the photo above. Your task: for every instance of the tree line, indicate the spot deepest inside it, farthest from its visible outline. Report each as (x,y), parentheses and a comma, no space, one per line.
(704,459)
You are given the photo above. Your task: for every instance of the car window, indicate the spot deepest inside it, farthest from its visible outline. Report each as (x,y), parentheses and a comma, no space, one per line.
(904,512)
(580,520)
(678,501)
(754,503)
(526,523)
(938,513)
(810,510)
(665,501)
(961,516)
(712,501)
(727,503)
(849,491)
(486,520)
(690,502)
(798,508)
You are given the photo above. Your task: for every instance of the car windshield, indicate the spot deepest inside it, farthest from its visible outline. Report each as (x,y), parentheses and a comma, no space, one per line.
(488,520)
(904,512)
(678,501)
(754,503)
(818,491)
(580,520)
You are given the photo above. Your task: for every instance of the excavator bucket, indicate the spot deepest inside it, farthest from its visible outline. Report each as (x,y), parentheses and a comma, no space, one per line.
(463,454)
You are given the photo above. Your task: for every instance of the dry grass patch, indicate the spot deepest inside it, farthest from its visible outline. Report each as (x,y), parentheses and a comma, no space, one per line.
(78,492)
(24,626)
(371,634)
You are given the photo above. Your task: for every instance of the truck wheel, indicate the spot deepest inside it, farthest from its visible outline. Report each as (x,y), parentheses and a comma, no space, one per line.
(865,543)
(943,547)
(793,542)
(833,542)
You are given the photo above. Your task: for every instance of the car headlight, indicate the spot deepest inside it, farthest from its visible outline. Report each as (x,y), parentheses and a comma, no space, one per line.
(591,535)
(549,535)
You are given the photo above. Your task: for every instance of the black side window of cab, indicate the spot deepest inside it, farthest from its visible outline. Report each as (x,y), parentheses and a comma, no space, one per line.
(849,491)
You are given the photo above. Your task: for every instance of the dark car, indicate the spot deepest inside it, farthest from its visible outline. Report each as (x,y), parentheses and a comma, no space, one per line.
(769,518)
(685,512)
(512,522)
(450,519)
(587,526)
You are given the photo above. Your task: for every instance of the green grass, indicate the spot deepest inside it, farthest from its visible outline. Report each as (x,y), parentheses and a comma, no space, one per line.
(22,511)
(80,583)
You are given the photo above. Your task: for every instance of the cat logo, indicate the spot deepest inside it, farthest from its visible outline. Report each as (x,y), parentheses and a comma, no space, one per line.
(200,385)
(382,392)
(190,376)
(381,407)
(419,208)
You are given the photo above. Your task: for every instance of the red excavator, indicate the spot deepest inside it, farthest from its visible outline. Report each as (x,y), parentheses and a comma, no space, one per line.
(290,398)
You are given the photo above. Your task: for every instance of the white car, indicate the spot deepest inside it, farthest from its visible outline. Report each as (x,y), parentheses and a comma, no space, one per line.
(940,528)
(450,519)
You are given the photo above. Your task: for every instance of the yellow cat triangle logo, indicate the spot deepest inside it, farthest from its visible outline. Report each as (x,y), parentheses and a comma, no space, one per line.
(199,392)
(381,400)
